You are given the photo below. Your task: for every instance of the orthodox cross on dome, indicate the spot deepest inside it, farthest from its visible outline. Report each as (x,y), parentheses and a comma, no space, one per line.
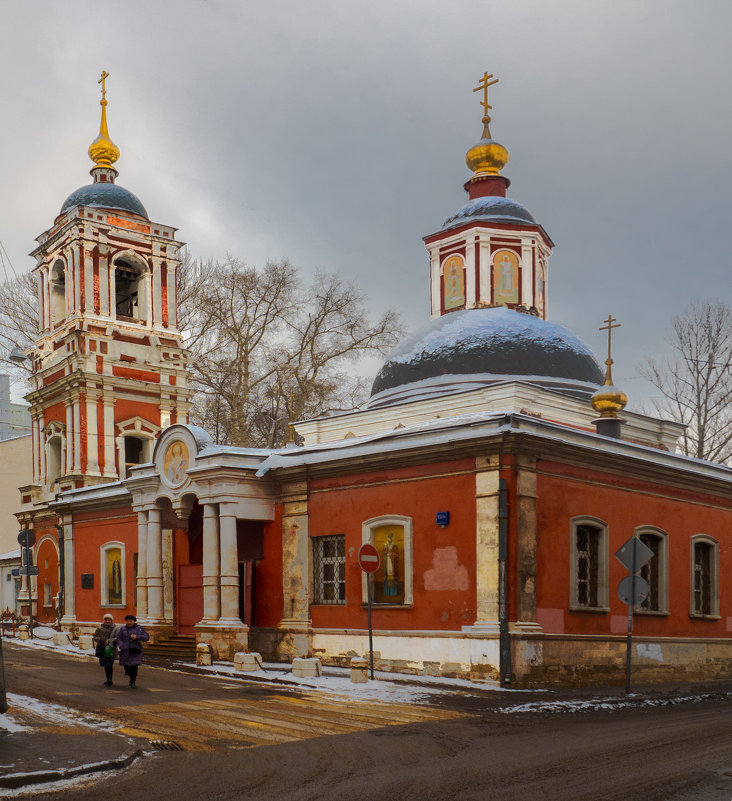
(609,361)
(483,84)
(102,80)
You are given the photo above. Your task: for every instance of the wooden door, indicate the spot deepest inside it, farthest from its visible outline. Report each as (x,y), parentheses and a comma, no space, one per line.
(189,597)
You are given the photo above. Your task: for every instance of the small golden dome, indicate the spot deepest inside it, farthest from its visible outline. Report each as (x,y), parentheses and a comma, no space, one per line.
(608,401)
(103,151)
(488,157)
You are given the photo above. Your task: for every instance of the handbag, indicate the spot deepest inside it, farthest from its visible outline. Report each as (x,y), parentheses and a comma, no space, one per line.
(109,651)
(100,651)
(135,647)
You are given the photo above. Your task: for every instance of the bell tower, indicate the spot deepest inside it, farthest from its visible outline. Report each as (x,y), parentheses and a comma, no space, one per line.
(491,252)
(109,367)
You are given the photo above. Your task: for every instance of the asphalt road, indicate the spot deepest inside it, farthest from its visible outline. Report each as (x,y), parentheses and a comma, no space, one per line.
(247,741)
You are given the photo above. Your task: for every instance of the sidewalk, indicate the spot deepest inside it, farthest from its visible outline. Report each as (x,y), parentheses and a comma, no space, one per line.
(42,743)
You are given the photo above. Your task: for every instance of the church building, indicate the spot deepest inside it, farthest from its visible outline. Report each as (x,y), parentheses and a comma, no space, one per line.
(494,468)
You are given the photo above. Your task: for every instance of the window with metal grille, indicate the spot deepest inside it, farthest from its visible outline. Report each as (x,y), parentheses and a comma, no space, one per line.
(587,551)
(329,569)
(703,553)
(651,572)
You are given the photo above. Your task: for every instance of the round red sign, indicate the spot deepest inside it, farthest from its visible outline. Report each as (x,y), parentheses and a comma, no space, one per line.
(368,558)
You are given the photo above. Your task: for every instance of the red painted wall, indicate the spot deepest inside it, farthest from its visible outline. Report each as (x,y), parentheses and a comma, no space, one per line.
(624,505)
(268,598)
(341,505)
(91,531)
(46,559)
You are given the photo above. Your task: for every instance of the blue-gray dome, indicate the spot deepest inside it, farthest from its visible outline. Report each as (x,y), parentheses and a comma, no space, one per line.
(107,196)
(479,347)
(492,208)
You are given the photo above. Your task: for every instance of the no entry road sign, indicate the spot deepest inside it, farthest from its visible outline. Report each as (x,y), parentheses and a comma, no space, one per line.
(368,558)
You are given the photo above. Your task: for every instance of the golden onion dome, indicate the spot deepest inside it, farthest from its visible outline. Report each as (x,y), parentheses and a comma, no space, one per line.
(608,401)
(488,157)
(103,151)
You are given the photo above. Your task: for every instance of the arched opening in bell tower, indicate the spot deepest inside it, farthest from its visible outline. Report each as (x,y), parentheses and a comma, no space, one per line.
(130,297)
(54,458)
(135,452)
(58,293)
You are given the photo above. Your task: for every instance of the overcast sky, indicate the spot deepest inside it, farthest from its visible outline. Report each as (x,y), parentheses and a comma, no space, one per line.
(334,134)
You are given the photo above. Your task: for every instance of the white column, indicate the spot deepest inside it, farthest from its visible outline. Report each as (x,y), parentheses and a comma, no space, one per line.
(110,470)
(69,586)
(92,437)
(77,438)
(485,268)
(37,461)
(527,274)
(470,294)
(68,441)
(154,567)
(229,565)
(142,565)
(211,564)
(103,281)
(148,311)
(435,282)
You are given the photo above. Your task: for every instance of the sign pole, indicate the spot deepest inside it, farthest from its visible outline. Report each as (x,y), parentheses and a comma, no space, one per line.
(629,645)
(369,583)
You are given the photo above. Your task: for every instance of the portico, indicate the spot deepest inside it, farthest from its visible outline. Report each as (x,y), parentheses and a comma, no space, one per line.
(198,507)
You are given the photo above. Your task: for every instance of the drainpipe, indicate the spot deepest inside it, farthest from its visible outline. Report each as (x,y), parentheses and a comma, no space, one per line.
(504,649)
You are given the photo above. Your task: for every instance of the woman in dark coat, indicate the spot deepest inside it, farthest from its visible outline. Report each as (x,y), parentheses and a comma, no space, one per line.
(129,641)
(106,635)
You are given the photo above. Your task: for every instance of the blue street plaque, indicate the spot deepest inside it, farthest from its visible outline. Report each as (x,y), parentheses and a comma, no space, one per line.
(443,519)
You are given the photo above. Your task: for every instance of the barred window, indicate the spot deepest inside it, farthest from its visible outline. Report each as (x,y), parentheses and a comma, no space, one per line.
(329,569)
(588,541)
(655,570)
(704,577)
(588,571)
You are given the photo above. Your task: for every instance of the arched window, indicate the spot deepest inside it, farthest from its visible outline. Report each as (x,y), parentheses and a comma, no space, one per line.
(54,456)
(393,581)
(588,553)
(113,574)
(58,293)
(130,301)
(655,571)
(704,576)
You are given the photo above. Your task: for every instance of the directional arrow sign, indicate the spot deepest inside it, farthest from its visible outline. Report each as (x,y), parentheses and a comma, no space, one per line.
(625,554)
(626,587)
(27,571)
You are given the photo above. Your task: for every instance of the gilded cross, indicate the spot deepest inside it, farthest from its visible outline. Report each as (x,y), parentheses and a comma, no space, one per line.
(483,84)
(102,80)
(609,328)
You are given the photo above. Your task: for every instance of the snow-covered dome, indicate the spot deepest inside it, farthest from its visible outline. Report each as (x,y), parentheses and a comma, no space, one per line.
(491,209)
(479,347)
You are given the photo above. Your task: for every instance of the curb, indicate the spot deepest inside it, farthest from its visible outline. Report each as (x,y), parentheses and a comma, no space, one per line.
(15,780)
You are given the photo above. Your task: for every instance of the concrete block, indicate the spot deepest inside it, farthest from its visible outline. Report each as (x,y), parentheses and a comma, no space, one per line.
(61,638)
(359,670)
(86,642)
(248,662)
(306,668)
(23,633)
(203,654)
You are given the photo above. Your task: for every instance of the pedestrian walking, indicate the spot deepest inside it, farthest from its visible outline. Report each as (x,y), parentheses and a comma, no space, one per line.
(129,641)
(105,638)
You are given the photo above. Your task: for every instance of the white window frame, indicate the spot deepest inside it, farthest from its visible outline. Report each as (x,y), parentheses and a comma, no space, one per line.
(603,594)
(714,578)
(367,536)
(661,535)
(104,583)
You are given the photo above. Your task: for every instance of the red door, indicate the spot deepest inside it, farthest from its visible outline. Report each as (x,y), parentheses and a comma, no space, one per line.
(189,597)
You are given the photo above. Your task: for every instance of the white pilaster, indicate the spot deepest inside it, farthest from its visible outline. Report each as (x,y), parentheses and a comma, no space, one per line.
(229,565)
(142,565)
(92,437)
(527,273)
(68,440)
(486,290)
(69,615)
(435,282)
(154,567)
(211,564)
(470,288)
(77,437)
(110,470)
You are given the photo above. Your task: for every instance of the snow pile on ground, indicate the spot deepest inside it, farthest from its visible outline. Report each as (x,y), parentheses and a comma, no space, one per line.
(610,704)
(23,711)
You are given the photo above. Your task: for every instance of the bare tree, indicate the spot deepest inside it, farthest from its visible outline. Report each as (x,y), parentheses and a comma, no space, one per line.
(267,350)
(18,325)
(696,381)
